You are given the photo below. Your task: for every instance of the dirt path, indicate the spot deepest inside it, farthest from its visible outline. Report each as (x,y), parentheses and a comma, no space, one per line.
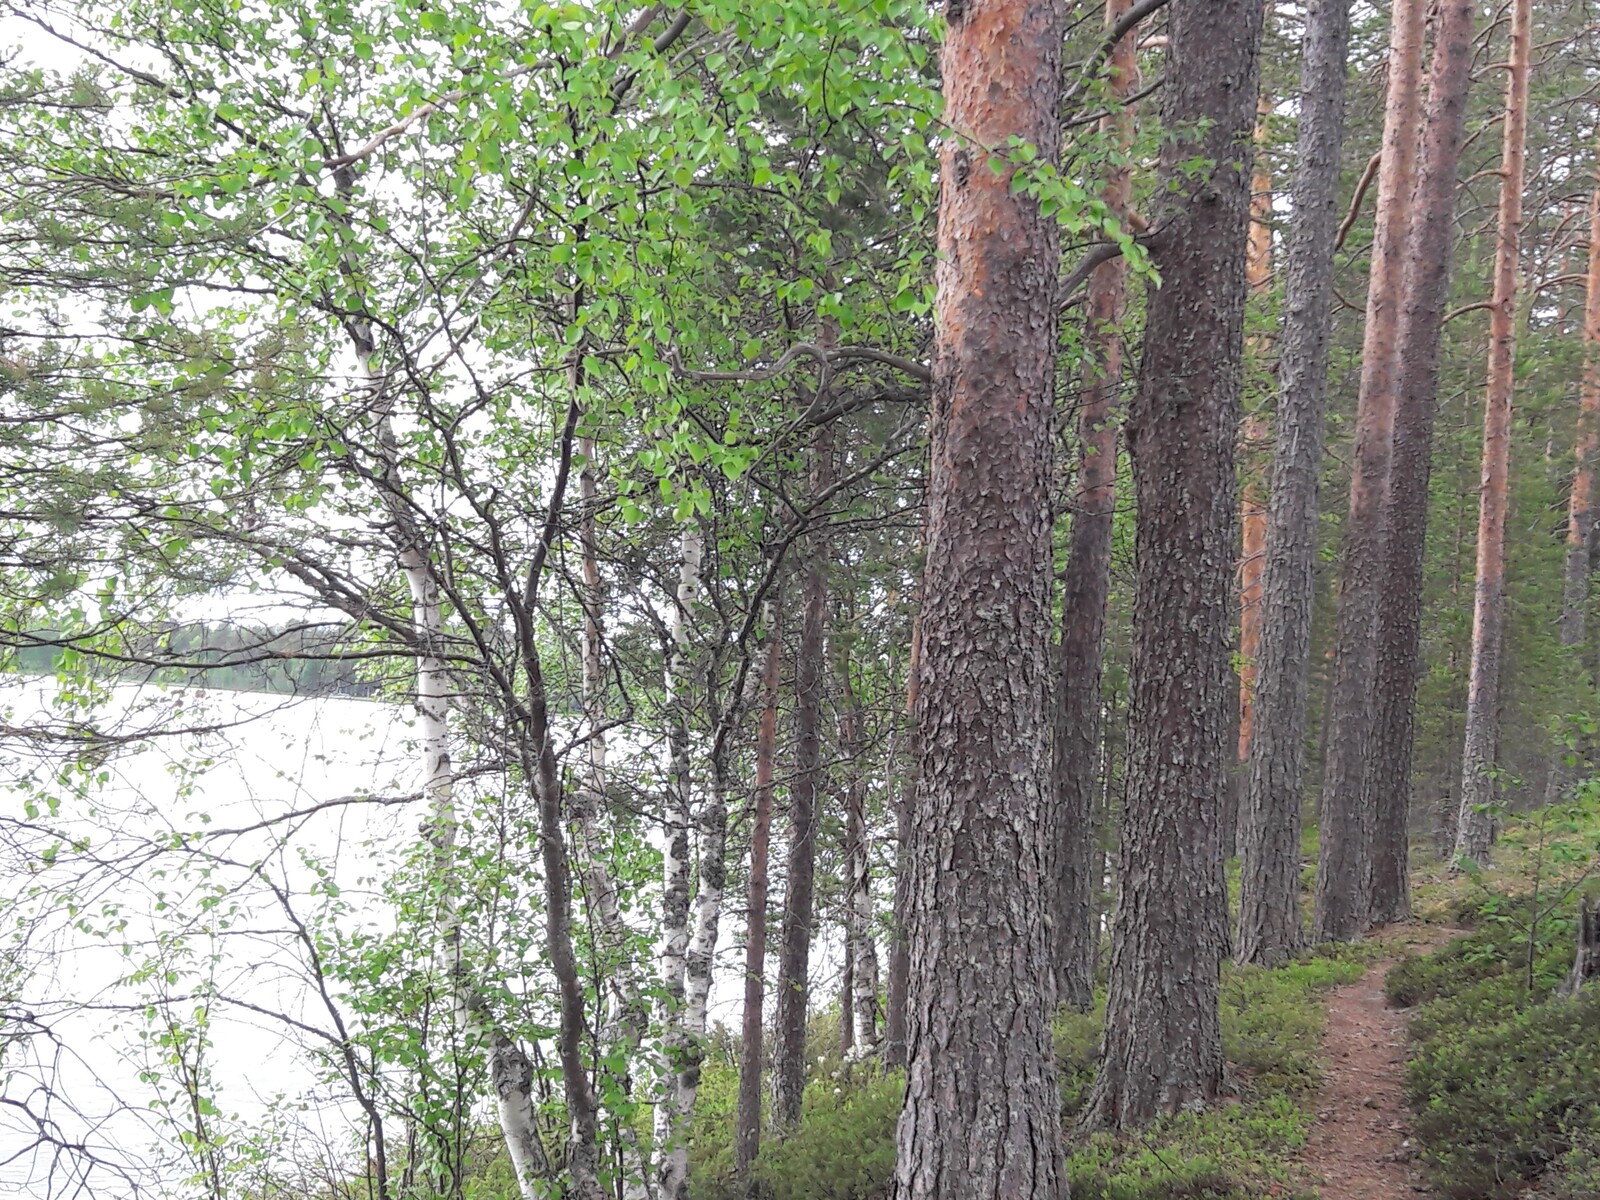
(1359,1144)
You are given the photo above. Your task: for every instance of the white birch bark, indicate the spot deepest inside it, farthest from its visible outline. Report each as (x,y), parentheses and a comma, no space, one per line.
(675,1018)
(511,1074)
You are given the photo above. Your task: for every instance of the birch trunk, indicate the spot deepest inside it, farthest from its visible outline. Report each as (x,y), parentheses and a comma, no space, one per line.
(626,1019)
(510,1071)
(1475,828)
(675,1006)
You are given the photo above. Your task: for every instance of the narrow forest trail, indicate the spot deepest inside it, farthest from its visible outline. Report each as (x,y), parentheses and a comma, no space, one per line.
(1359,1144)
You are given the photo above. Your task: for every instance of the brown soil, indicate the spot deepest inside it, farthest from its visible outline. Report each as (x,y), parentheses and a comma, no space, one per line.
(1360,1143)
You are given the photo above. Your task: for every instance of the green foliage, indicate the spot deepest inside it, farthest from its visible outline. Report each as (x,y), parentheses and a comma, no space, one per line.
(1505,1080)
(1248,1147)
(1501,1103)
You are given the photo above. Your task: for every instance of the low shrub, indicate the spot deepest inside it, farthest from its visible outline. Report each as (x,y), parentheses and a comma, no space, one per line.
(1500,1104)
(1241,1150)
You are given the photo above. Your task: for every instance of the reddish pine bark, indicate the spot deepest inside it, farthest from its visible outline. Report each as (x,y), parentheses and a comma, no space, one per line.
(1253,435)
(1580,503)
(1343,866)
(981,1117)
(1426,291)
(1475,827)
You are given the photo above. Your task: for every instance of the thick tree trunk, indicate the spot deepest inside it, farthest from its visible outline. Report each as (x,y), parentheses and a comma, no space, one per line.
(1474,830)
(747,1128)
(1426,291)
(1343,866)
(1163,1043)
(1269,820)
(981,1118)
(794,955)
(1088,579)
(1580,503)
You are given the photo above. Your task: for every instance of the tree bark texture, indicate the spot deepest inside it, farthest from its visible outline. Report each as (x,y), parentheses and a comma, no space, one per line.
(670,1120)
(747,1126)
(1253,437)
(1343,868)
(1269,818)
(1580,502)
(1421,319)
(1163,1046)
(794,954)
(981,1117)
(1426,291)
(859,1012)
(1088,578)
(1475,829)
(897,991)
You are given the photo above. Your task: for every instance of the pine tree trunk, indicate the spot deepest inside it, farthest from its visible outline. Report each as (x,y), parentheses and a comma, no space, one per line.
(794,954)
(1580,504)
(1163,1044)
(747,1127)
(895,1017)
(1269,820)
(1474,830)
(1253,438)
(981,1117)
(858,1011)
(1426,291)
(1088,579)
(1343,865)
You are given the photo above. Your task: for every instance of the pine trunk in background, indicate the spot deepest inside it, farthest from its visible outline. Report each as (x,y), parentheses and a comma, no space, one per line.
(1253,438)
(1475,827)
(1580,504)
(1343,866)
(794,954)
(1269,818)
(981,1116)
(1088,579)
(1427,290)
(1163,1043)
(899,983)
(747,1127)
(858,1012)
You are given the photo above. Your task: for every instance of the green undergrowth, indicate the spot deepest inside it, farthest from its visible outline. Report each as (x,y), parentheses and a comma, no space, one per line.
(1504,1081)
(1244,1148)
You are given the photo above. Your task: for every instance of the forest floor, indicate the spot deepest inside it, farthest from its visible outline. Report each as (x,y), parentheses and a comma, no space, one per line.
(1360,1145)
